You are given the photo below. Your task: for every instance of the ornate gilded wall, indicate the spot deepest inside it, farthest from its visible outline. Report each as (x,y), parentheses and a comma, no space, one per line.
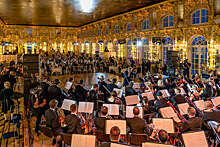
(87,38)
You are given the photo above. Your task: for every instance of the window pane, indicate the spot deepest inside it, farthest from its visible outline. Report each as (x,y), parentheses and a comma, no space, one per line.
(197,20)
(197,13)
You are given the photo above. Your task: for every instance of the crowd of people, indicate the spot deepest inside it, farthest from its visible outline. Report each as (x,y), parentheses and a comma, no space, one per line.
(48,97)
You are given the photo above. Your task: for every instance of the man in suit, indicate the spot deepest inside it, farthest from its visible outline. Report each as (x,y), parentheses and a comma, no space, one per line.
(55,92)
(129,90)
(193,123)
(81,91)
(112,85)
(73,122)
(51,116)
(137,125)
(100,121)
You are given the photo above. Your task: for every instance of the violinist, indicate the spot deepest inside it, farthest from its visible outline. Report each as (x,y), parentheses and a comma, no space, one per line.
(129,89)
(81,91)
(73,121)
(193,123)
(100,121)
(112,85)
(137,125)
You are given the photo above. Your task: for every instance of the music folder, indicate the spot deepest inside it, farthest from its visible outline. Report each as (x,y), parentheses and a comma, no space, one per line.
(130,114)
(149,95)
(195,139)
(132,100)
(119,92)
(165,124)
(216,101)
(121,124)
(165,93)
(200,104)
(183,108)
(67,103)
(118,145)
(148,144)
(83,140)
(113,109)
(86,107)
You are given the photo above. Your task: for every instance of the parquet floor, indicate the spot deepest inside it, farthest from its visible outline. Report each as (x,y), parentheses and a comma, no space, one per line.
(8,127)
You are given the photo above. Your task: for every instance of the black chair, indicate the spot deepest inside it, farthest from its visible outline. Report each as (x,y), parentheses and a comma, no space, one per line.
(137,139)
(66,138)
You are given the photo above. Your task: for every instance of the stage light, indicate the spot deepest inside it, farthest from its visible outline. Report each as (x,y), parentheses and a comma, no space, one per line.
(87,5)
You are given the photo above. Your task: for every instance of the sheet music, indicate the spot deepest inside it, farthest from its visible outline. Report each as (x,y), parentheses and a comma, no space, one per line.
(86,107)
(113,109)
(83,140)
(67,103)
(195,139)
(136,86)
(182,91)
(148,144)
(130,114)
(183,108)
(200,104)
(165,93)
(68,85)
(165,124)
(216,101)
(118,145)
(149,95)
(168,112)
(119,92)
(121,124)
(132,100)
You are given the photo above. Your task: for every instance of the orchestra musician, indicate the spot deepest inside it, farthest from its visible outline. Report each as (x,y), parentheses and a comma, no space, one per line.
(129,89)
(137,125)
(73,121)
(81,91)
(55,92)
(100,121)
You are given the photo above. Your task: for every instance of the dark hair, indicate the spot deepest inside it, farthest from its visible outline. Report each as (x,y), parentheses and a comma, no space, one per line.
(163,135)
(70,79)
(73,108)
(114,133)
(114,94)
(95,86)
(114,80)
(104,110)
(53,103)
(136,111)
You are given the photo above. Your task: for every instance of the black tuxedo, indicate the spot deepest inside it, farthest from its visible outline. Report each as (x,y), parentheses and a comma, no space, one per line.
(100,124)
(193,124)
(130,91)
(81,92)
(52,119)
(137,125)
(55,92)
(179,99)
(73,124)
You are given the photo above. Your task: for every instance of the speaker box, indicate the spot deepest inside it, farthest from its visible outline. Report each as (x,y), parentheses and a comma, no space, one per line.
(31,65)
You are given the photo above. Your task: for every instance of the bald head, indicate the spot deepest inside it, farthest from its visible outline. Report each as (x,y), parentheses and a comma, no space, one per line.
(104,110)
(191,112)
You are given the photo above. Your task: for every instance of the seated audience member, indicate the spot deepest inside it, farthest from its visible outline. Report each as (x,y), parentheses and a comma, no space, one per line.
(193,123)
(51,116)
(73,121)
(137,125)
(129,89)
(100,121)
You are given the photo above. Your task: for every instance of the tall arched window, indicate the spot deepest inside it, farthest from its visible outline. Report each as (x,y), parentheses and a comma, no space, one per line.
(129,27)
(167,46)
(129,49)
(145,25)
(145,49)
(168,21)
(200,16)
(198,54)
(116,29)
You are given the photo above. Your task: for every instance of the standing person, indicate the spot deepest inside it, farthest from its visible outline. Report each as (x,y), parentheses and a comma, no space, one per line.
(6,95)
(186,67)
(148,64)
